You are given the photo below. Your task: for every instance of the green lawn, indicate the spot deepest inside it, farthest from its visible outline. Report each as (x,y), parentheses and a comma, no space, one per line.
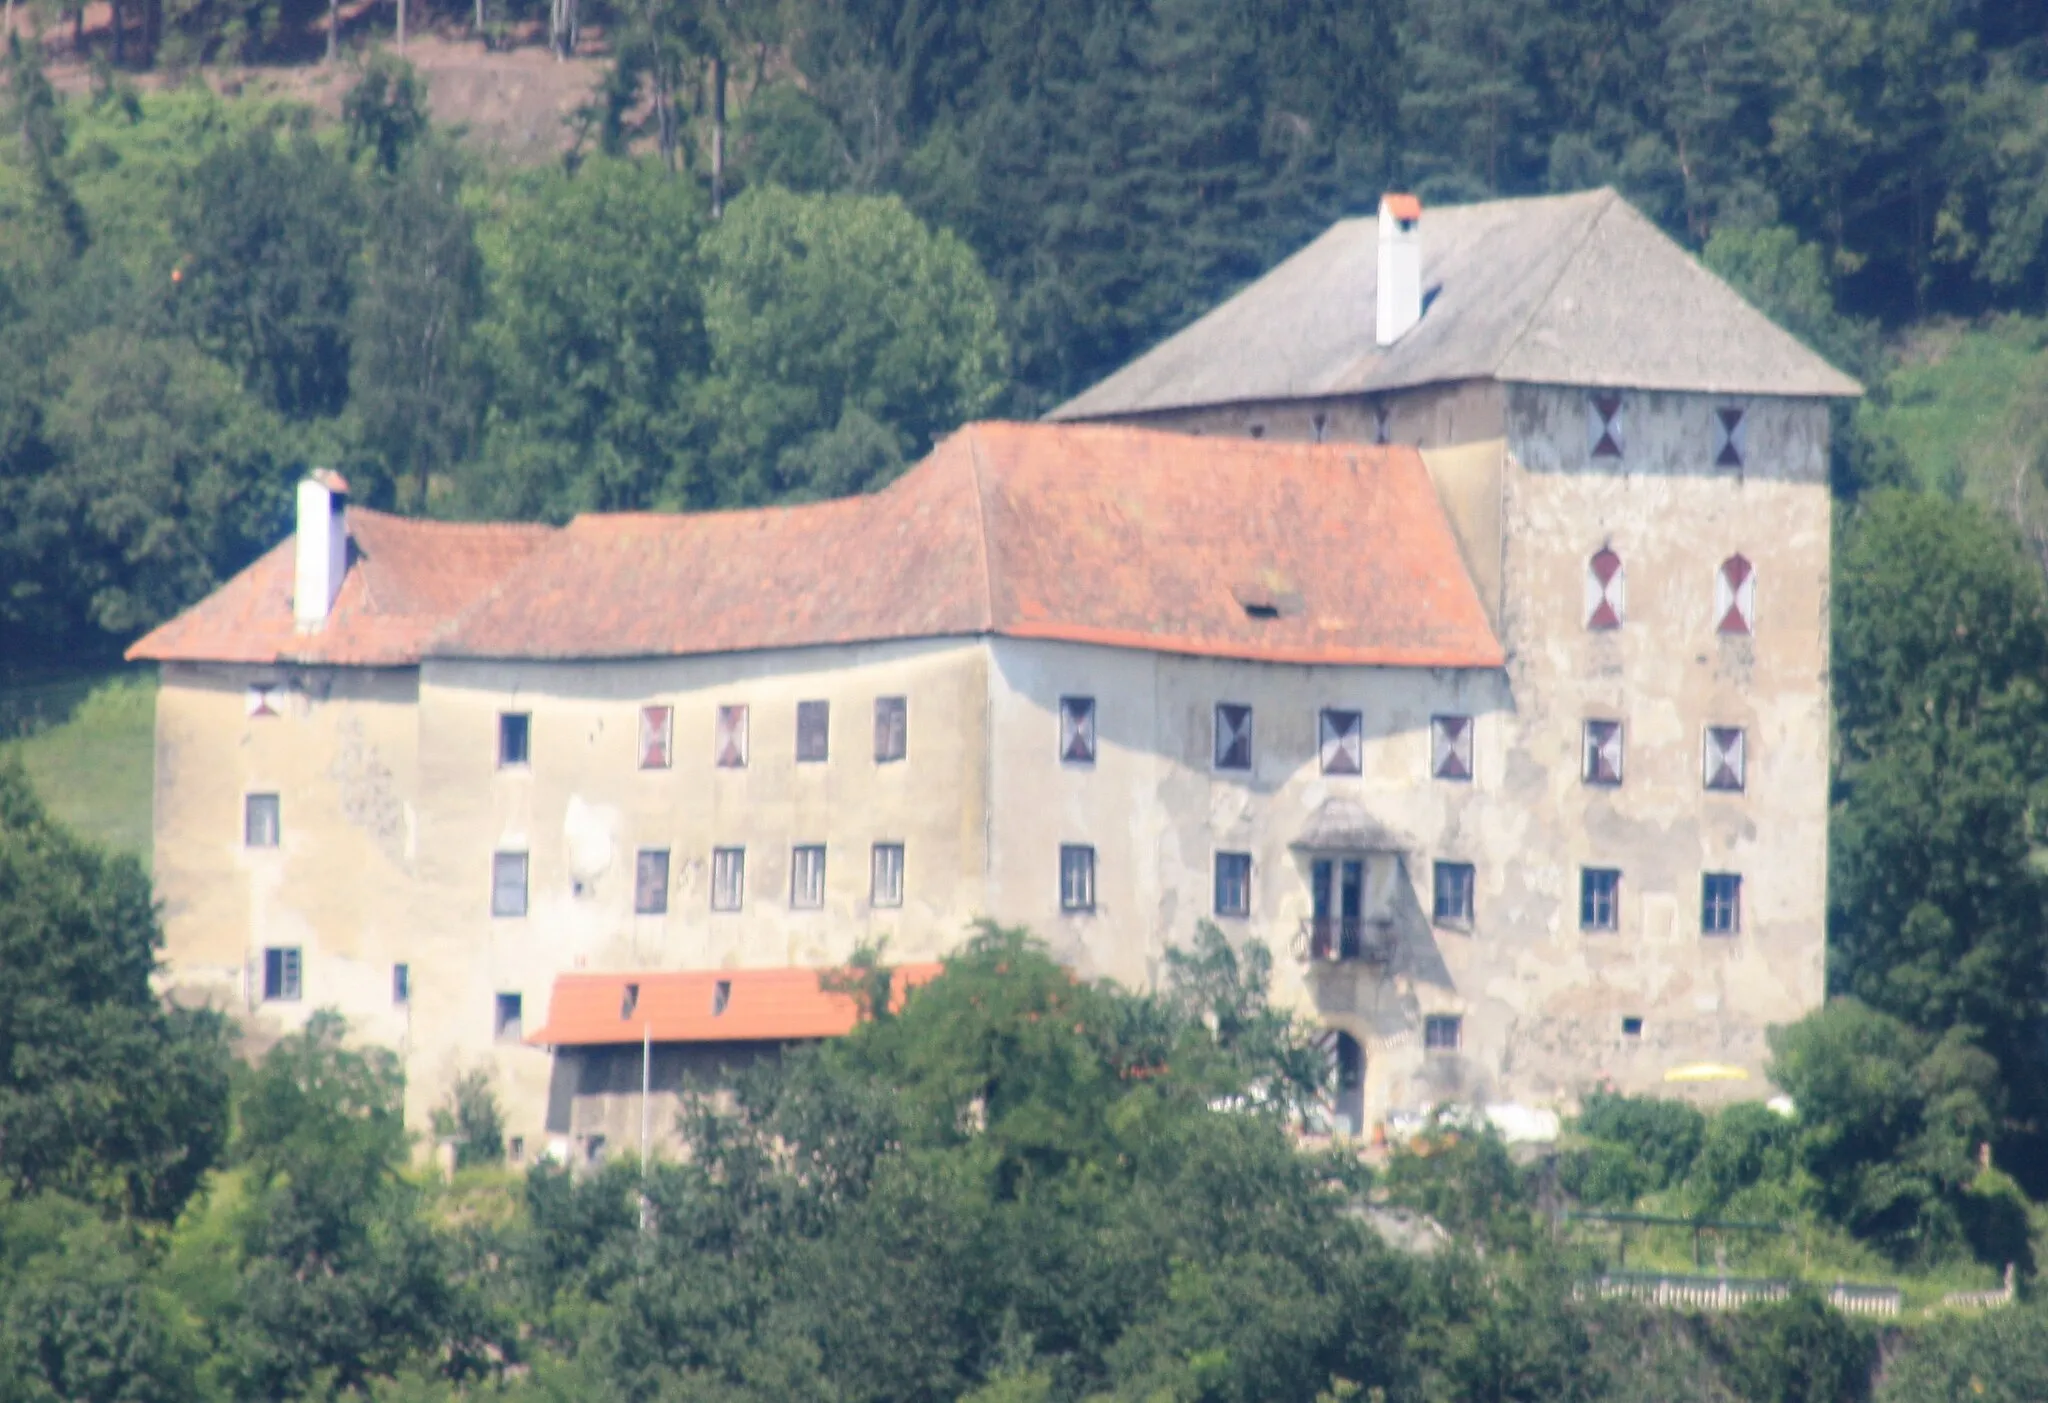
(1965,403)
(87,741)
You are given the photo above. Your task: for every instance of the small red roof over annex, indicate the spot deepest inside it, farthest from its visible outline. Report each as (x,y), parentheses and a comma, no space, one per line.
(706,1006)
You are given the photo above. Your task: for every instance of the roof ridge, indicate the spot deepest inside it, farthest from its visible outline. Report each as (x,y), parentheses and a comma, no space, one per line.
(975,464)
(1609,197)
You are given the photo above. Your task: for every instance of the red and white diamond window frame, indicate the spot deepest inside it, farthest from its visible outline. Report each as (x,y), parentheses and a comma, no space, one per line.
(1603,424)
(1450,747)
(1606,590)
(657,737)
(1735,596)
(1603,752)
(1723,759)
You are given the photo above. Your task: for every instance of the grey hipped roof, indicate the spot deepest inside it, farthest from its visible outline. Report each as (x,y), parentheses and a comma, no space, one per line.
(1557,290)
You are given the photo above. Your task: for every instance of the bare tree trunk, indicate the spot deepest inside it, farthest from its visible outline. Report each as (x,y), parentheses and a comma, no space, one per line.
(717,137)
(333,29)
(114,20)
(664,96)
(401,24)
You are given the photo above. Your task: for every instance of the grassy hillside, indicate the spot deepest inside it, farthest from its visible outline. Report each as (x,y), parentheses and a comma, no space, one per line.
(87,741)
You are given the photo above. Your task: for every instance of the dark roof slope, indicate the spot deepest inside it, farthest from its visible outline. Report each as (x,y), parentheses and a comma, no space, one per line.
(1562,289)
(1126,537)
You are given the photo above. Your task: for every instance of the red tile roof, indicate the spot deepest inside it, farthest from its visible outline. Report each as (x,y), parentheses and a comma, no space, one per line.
(1099,534)
(407,581)
(760,1005)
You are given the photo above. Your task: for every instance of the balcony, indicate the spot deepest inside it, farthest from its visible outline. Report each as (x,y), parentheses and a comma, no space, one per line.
(1344,939)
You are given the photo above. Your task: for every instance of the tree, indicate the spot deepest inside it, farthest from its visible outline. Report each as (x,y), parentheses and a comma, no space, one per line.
(1996,1356)
(105,1094)
(820,308)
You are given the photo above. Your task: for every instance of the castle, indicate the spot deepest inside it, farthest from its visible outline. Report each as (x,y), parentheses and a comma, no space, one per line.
(1447,610)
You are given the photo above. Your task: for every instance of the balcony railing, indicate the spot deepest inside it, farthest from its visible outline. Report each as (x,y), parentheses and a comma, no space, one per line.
(1341,938)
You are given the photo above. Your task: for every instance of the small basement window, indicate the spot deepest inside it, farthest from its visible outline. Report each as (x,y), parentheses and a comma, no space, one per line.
(515,737)
(262,824)
(281,974)
(508,1024)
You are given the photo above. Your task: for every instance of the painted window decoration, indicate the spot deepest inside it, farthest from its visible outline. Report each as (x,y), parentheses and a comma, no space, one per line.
(262,699)
(1603,424)
(650,882)
(892,729)
(657,734)
(1599,899)
(1721,904)
(1731,436)
(885,883)
(1343,742)
(1233,884)
(807,877)
(508,1018)
(281,974)
(262,822)
(1455,883)
(1077,730)
(1233,736)
(813,732)
(1450,747)
(515,739)
(1606,590)
(1735,596)
(730,746)
(1442,1032)
(1077,877)
(1723,761)
(1603,752)
(508,884)
(728,878)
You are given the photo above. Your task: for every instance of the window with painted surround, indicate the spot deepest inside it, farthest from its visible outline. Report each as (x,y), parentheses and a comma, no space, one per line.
(1599,899)
(1723,759)
(1342,741)
(1735,597)
(1606,591)
(1450,747)
(1602,757)
(657,734)
(728,878)
(1077,877)
(1233,884)
(1233,736)
(1077,730)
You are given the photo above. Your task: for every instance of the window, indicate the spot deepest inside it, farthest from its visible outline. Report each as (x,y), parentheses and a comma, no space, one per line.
(1606,591)
(892,729)
(1233,884)
(593,1149)
(515,736)
(1077,730)
(1730,437)
(507,1024)
(1603,424)
(728,878)
(1721,904)
(508,884)
(1599,899)
(261,824)
(1343,742)
(1455,882)
(1603,752)
(730,748)
(629,1001)
(1382,423)
(721,998)
(1450,747)
(657,733)
(1077,877)
(807,877)
(1735,597)
(1318,426)
(401,985)
(885,884)
(1233,736)
(1722,764)
(1442,1032)
(813,728)
(650,882)
(515,1148)
(261,699)
(1631,1027)
(281,974)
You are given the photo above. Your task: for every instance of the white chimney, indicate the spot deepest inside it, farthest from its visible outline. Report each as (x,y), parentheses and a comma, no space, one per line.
(1400,287)
(322,546)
